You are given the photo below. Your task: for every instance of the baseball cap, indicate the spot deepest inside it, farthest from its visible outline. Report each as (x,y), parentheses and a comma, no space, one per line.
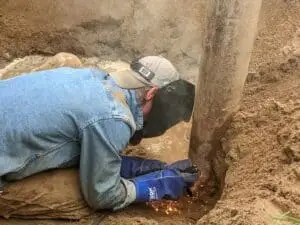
(146,71)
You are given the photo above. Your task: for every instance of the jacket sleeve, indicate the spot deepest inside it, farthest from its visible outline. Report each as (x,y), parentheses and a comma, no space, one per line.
(100,163)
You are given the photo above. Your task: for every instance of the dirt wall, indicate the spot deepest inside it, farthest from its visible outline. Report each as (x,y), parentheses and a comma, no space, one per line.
(108,29)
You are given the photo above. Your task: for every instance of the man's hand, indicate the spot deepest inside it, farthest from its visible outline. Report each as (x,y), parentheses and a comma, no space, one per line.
(134,166)
(167,184)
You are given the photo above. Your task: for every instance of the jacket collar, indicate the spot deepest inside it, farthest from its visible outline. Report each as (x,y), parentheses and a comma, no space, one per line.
(134,106)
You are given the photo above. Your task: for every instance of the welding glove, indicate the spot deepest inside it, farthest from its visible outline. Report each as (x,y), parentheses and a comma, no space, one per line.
(135,166)
(167,184)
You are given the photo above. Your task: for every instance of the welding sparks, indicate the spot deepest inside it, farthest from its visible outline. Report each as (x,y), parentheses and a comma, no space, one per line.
(166,207)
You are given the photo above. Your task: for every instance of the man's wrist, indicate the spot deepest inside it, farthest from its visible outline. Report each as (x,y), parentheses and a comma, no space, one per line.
(130,194)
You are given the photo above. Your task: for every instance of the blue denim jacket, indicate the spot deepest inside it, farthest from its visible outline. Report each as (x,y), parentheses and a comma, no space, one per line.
(62,117)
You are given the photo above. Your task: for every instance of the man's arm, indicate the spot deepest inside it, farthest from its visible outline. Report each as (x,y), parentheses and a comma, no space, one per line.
(100,162)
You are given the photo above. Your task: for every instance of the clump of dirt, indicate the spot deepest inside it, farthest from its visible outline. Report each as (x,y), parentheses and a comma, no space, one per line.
(52,194)
(36,63)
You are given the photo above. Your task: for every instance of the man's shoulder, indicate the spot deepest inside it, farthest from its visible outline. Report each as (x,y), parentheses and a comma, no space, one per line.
(114,130)
(77,72)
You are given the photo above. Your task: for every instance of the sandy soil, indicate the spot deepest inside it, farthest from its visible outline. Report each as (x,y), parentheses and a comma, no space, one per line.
(262,144)
(263,153)
(261,147)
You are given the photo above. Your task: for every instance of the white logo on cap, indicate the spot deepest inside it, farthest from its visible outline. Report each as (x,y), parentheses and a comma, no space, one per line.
(145,72)
(153,193)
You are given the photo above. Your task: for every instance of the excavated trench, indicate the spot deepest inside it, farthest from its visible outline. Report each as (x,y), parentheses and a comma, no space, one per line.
(114,32)
(171,146)
(100,31)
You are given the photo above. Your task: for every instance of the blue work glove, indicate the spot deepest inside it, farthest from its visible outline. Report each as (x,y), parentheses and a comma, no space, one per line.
(135,166)
(167,184)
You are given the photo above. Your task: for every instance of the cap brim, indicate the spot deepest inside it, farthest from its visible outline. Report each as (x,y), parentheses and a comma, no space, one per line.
(128,79)
(172,104)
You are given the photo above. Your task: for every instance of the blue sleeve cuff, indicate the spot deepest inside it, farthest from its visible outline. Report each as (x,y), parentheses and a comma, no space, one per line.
(131,194)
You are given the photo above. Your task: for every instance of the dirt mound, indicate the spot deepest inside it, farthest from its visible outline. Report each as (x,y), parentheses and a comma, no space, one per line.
(36,63)
(263,145)
(54,194)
